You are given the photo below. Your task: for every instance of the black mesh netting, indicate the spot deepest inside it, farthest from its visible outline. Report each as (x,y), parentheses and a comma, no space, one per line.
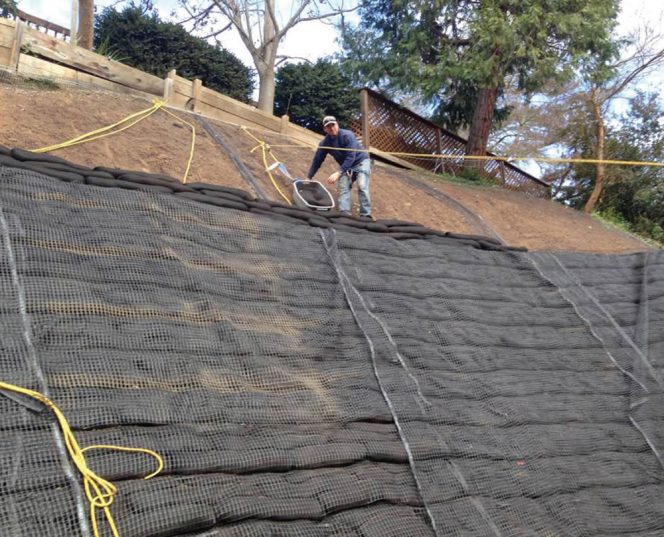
(313,381)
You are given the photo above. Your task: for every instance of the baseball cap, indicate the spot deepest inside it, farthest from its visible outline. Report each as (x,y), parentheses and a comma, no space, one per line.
(327,120)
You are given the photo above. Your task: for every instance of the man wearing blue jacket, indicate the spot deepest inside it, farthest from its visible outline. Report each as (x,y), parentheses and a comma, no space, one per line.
(354,162)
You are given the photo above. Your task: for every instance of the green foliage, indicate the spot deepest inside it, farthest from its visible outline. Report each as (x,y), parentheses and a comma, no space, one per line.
(308,92)
(637,192)
(445,50)
(472,175)
(8,7)
(140,39)
(610,216)
(45,84)
(633,195)
(105,49)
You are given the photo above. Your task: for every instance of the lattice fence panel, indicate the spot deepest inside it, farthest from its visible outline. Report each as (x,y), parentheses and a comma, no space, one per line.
(396,130)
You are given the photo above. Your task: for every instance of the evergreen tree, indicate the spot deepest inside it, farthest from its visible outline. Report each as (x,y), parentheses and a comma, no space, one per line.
(458,52)
(7,7)
(308,92)
(139,38)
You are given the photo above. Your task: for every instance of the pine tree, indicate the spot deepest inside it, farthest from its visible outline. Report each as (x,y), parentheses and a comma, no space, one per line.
(462,52)
(308,92)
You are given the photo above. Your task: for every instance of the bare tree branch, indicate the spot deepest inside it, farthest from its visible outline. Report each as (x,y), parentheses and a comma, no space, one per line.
(656,59)
(196,16)
(261,27)
(282,59)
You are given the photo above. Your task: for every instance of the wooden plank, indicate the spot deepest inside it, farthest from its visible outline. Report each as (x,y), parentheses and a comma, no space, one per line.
(5,58)
(212,97)
(304,136)
(182,86)
(43,23)
(177,100)
(91,63)
(218,114)
(377,153)
(7,35)
(244,114)
(32,67)
(6,23)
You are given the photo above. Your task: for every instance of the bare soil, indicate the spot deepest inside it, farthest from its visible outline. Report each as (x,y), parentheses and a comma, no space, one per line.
(33,117)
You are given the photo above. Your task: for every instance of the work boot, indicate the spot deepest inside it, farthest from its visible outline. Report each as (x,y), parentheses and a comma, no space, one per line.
(366,217)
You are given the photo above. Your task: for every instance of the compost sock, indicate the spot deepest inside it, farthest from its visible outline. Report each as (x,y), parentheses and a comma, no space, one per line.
(304,373)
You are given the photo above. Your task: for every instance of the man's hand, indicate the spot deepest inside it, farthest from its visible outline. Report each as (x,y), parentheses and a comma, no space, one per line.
(334,178)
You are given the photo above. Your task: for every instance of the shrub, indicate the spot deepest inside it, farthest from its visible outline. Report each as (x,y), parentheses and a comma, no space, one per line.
(140,39)
(308,92)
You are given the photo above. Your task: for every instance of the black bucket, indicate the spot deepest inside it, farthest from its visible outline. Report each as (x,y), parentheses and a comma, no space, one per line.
(313,195)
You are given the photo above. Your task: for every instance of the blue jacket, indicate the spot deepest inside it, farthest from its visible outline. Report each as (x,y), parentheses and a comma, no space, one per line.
(344,139)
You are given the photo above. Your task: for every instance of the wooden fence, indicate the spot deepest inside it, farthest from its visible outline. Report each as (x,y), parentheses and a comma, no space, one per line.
(390,128)
(42,24)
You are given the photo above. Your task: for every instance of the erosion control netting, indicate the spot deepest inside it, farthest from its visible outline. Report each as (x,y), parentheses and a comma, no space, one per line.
(312,381)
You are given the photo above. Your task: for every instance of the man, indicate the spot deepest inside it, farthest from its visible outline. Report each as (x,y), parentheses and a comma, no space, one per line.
(354,162)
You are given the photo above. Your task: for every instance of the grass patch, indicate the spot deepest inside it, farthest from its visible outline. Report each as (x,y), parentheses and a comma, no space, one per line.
(466,178)
(41,83)
(615,220)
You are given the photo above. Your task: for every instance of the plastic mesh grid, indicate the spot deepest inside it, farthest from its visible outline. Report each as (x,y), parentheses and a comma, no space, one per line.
(313,382)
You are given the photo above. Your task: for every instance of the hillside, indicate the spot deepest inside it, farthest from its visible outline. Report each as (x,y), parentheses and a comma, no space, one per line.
(32,117)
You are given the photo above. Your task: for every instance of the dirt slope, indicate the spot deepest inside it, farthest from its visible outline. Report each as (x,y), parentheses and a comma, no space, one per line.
(34,117)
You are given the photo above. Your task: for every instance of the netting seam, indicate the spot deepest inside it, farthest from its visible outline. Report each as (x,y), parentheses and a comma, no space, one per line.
(643,317)
(32,353)
(587,321)
(345,283)
(613,322)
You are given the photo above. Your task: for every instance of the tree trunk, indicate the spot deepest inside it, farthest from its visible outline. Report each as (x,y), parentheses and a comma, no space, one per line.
(600,178)
(480,127)
(86,18)
(266,88)
(265,64)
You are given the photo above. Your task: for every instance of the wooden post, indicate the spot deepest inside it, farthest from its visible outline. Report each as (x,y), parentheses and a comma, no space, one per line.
(285,122)
(196,94)
(16,45)
(502,171)
(364,108)
(168,84)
